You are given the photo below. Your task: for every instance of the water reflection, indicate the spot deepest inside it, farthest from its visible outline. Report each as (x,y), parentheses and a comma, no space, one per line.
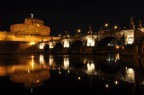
(31,74)
(66,63)
(130,75)
(51,61)
(113,58)
(41,59)
(110,64)
(91,68)
(30,79)
(32,70)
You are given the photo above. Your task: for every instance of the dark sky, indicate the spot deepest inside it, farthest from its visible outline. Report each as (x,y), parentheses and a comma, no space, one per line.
(71,15)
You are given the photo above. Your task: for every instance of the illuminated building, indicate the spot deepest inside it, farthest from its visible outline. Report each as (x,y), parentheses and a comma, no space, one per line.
(25,35)
(30,27)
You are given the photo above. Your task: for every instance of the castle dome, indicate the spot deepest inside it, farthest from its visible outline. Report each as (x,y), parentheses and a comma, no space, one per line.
(31,26)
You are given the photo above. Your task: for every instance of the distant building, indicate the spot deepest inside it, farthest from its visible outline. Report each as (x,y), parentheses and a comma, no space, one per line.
(31,30)
(30,26)
(23,36)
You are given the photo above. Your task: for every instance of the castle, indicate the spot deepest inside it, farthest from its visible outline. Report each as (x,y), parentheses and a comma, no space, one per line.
(24,35)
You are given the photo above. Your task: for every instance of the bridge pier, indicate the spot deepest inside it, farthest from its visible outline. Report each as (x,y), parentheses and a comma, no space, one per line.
(66,50)
(51,51)
(89,50)
(136,49)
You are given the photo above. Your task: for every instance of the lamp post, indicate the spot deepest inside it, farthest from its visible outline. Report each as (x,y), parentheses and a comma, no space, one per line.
(106,25)
(115,27)
(78,32)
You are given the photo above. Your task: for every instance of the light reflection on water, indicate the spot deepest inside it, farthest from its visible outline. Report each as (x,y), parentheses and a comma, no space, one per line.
(32,70)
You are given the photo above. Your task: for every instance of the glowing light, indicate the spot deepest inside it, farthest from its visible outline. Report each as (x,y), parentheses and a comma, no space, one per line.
(109,59)
(59,35)
(106,25)
(79,78)
(130,75)
(142,29)
(66,43)
(41,59)
(130,40)
(117,57)
(90,41)
(115,27)
(84,60)
(51,45)
(37,81)
(32,15)
(78,30)
(37,25)
(66,63)
(117,47)
(68,71)
(129,36)
(32,43)
(107,86)
(122,47)
(51,60)
(32,61)
(59,72)
(68,35)
(41,46)
(32,57)
(90,68)
(116,82)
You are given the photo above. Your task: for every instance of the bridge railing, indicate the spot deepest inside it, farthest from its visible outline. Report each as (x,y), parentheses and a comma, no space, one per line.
(110,31)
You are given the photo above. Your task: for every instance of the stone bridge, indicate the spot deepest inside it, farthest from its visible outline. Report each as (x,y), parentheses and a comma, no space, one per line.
(101,41)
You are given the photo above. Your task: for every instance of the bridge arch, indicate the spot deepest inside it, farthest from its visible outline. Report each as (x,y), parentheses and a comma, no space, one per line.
(106,40)
(58,48)
(46,48)
(111,64)
(76,46)
(110,43)
(109,37)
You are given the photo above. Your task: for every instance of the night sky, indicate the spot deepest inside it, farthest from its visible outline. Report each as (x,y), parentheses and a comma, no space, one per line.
(68,15)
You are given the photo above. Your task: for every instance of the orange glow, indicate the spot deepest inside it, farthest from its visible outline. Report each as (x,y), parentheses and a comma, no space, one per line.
(32,43)
(117,47)
(41,46)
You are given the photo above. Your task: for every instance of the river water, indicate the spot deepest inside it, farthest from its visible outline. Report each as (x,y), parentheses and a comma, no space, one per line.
(42,74)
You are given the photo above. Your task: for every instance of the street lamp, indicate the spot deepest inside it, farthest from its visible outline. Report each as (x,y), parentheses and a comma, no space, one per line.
(59,35)
(106,25)
(115,27)
(78,30)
